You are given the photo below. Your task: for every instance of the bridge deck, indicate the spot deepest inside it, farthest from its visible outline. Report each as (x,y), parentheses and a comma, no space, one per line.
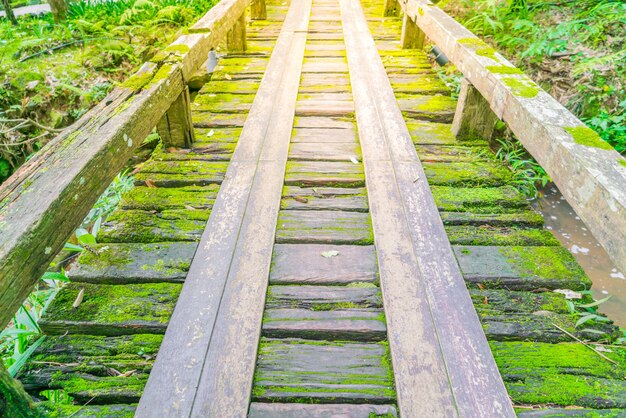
(311,224)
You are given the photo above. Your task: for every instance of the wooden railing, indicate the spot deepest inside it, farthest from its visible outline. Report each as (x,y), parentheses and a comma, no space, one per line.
(48,197)
(590,174)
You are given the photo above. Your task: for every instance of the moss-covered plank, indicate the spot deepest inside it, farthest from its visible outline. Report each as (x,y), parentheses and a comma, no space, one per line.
(491,235)
(366,324)
(323,227)
(479,199)
(312,151)
(323,264)
(223,102)
(452,153)
(418,84)
(324,173)
(213,135)
(215,151)
(433,108)
(328,372)
(218,120)
(88,357)
(182,173)
(433,133)
(88,411)
(159,199)
(293,410)
(139,226)
(569,412)
(527,218)
(521,268)
(527,316)
(234,87)
(134,263)
(467,174)
(324,83)
(320,298)
(111,309)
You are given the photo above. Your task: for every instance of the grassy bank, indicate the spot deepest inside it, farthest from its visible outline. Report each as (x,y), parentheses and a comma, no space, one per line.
(51,74)
(576,50)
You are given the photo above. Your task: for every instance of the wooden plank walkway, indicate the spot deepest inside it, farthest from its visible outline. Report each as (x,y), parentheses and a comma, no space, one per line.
(325,248)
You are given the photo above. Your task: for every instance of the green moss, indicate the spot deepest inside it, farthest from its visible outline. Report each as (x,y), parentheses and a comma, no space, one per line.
(622,162)
(554,263)
(88,411)
(420,11)
(471,235)
(479,199)
(335,306)
(179,49)
(144,227)
(522,87)
(162,73)
(435,104)
(467,174)
(14,401)
(115,305)
(503,69)
(362,285)
(584,135)
(138,81)
(146,198)
(480,47)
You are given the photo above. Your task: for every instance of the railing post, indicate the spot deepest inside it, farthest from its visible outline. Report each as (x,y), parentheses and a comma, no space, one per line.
(258,10)
(14,401)
(412,36)
(236,38)
(175,127)
(392,8)
(473,117)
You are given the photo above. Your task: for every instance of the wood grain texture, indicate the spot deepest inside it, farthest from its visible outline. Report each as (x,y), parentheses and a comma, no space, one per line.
(457,379)
(220,306)
(305,264)
(289,410)
(473,117)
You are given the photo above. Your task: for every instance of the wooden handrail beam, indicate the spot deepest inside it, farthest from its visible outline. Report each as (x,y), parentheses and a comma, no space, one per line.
(48,197)
(588,171)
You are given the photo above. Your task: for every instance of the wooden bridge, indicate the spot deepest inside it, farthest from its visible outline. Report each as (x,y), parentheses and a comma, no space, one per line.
(323,232)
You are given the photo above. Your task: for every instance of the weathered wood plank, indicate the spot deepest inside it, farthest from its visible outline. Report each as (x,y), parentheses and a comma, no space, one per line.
(323,226)
(305,264)
(134,263)
(521,268)
(303,370)
(148,198)
(412,36)
(111,309)
(324,198)
(323,297)
(586,170)
(341,324)
(492,235)
(324,173)
(14,400)
(326,135)
(258,10)
(226,310)
(236,37)
(299,410)
(410,227)
(312,151)
(324,122)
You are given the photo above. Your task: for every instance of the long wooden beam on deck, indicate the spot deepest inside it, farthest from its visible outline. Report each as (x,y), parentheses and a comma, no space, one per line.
(206,362)
(442,362)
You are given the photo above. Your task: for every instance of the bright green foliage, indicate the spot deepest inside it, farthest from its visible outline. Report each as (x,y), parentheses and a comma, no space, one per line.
(579,43)
(55,72)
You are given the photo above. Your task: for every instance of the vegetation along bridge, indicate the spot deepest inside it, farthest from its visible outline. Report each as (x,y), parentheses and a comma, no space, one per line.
(323,232)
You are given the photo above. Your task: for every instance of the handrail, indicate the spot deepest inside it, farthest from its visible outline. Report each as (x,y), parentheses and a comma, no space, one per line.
(590,174)
(48,197)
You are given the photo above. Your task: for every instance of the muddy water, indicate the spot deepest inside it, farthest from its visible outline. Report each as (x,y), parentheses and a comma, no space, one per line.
(562,221)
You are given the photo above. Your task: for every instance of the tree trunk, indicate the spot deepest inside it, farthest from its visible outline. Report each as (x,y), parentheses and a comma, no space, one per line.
(14,401)
(59,9)
(9,11)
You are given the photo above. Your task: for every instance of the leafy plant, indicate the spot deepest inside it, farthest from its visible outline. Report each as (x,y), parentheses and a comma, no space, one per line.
(527,172)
